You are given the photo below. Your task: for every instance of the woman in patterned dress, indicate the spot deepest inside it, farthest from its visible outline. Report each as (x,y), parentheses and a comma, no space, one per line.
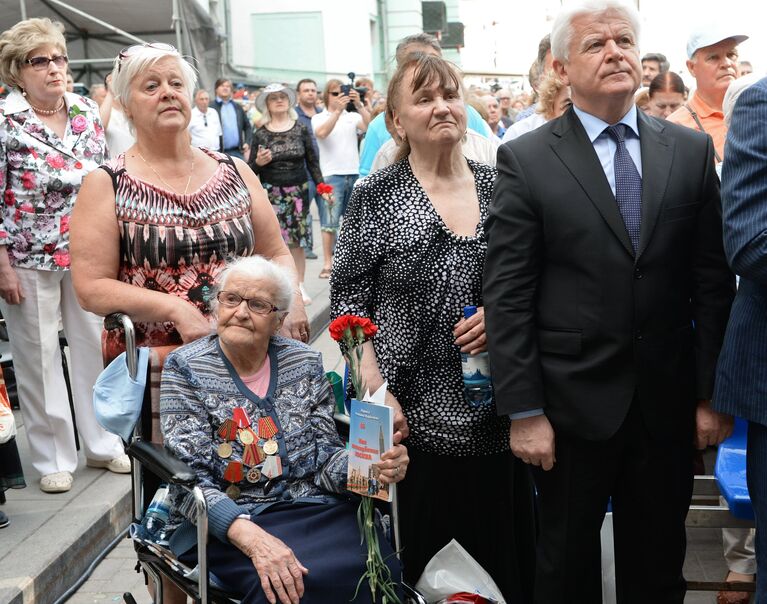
(158,223)
(284,151)
(410,256)
(49,140)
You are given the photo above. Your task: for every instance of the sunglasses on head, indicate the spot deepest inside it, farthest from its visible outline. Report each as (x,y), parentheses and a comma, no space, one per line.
(40,63)
(127,52)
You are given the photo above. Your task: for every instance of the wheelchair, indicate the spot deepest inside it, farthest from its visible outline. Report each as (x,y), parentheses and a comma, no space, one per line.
(153,464)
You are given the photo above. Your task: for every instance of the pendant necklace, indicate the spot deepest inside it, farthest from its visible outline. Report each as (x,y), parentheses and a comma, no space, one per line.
(166,183)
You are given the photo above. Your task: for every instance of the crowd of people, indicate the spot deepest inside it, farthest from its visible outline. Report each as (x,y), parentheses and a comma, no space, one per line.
(585,222)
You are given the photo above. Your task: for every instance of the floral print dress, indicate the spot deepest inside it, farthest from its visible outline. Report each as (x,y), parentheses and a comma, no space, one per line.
(40,175)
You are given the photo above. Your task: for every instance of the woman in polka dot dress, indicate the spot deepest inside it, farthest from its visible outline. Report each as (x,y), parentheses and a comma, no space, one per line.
(410,256)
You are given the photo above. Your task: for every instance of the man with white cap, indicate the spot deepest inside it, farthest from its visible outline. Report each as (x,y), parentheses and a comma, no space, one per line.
(712,59)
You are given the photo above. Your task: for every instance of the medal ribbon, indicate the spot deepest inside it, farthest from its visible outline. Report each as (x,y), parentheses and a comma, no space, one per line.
(251,455)
(241,417)
(266,427)
(233,472)
(228,430)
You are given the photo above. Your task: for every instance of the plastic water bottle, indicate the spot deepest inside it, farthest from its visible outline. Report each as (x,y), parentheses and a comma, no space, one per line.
(157,515)
(477,385)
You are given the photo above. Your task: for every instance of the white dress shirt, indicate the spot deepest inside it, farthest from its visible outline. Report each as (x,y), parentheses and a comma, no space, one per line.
(205,129)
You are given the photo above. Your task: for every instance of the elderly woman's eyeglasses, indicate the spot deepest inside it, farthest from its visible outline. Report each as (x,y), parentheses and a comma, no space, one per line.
(256,305)
(127,52)
(40,63)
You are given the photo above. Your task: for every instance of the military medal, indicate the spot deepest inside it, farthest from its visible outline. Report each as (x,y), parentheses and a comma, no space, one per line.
(271,447)
(233,474)
(224,450)
(253,475)
(272,467)
(246,436)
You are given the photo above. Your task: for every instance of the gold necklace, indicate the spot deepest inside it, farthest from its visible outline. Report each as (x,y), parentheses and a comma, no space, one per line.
(53,111)
(165,182)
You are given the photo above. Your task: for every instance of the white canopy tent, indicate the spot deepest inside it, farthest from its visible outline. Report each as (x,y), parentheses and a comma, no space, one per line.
(96,31)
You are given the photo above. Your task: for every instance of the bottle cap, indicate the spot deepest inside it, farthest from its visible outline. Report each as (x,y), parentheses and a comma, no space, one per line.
(468,311)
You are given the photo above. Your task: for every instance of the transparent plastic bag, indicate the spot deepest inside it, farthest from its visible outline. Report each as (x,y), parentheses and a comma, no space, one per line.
(452,570)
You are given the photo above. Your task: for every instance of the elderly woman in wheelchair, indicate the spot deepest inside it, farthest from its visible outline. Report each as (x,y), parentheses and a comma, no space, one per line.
(251,413)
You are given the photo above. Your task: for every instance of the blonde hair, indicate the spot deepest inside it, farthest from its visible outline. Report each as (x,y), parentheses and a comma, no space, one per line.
(548,89)
(427,69)
(326,90)
(267,117)
(141,58)
(16,44)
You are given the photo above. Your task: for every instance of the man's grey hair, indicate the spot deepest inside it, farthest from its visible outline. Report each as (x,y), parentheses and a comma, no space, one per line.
(659,58)
(562,30)
(419,39)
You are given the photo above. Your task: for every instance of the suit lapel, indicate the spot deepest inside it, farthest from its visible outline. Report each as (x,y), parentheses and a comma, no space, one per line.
(657,153)
(575,150)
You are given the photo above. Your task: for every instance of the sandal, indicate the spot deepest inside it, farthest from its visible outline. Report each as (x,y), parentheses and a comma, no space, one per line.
(325,273)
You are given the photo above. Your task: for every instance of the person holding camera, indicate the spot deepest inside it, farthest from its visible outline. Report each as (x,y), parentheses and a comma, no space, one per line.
(336,131)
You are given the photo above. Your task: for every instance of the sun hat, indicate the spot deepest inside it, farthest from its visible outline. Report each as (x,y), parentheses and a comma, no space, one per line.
(710,34)
(261,100)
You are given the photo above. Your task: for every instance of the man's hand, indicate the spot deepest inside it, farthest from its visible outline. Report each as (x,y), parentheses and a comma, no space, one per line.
(711,427)
(532,440)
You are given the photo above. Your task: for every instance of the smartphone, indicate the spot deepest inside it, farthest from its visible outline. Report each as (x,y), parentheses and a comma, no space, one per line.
(345,88)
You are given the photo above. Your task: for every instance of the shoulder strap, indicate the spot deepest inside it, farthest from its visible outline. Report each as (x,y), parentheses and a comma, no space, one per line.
(113,174)
(700,127)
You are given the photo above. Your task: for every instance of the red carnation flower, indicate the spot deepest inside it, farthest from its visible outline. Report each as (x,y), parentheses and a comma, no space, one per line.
(10,197)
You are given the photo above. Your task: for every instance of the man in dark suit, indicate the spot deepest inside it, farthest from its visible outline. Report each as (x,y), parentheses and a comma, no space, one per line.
(235,125)
(741,385)
(606,298)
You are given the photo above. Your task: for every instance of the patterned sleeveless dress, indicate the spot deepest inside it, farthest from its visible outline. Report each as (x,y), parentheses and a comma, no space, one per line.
(178,244)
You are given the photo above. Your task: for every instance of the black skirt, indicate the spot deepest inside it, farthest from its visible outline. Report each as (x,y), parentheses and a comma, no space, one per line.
(486,503)
(11,476)
(324,537)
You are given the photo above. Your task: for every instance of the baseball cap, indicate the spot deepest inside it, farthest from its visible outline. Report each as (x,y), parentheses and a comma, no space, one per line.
(710,34)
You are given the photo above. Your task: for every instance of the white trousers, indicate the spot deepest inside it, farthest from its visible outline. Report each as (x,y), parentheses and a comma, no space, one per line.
(33,329)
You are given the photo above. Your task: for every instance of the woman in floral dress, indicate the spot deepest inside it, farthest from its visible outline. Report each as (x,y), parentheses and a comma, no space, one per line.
(284,148)
(49,140)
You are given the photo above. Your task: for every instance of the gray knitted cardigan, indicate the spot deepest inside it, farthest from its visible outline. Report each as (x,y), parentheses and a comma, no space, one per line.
(200,390)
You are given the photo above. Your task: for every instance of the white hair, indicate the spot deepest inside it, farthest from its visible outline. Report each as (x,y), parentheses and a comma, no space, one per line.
(562,30)
(259,268)
(141,58)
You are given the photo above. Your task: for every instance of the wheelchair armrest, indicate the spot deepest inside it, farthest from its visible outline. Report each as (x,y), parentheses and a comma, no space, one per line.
(161,462)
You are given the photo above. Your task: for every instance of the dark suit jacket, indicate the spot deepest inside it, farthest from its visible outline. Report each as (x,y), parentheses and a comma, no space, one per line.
(576,323)
(243,123)
(741,385)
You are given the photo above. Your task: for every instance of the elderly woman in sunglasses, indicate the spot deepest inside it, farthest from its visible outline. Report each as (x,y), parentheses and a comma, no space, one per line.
(251,413)
(155,226)
(49,140)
